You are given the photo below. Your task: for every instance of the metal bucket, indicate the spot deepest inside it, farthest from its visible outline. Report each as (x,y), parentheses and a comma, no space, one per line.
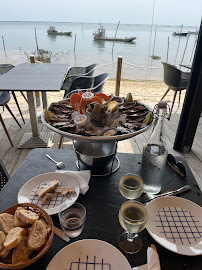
(95,154)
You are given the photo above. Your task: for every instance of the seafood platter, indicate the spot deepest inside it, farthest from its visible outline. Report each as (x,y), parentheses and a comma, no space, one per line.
(96,122)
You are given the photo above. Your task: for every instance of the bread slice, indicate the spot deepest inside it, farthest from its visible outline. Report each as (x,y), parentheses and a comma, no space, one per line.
(37,236)
(42,191)
(17,221)
(2,238)
(4,253)
(14,237)
(27,216)
(6,222)
(21,252)
(65,190)
(47,198)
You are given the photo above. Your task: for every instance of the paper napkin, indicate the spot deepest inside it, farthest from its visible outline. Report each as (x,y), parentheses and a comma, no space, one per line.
(83,179)
(152,261)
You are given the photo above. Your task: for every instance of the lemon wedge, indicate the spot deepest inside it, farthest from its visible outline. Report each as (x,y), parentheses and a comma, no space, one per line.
(112,105)
(148,119)
(47,114)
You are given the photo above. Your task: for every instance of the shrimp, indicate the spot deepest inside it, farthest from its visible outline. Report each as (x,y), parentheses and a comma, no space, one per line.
(83,105)
(75,101)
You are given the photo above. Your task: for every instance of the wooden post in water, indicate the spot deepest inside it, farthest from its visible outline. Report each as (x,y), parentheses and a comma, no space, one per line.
(167,51)
(4,45)
(37,47)
(37,94)
(193,50)
(118,76)
(185,49)
(115,37)
(74,43)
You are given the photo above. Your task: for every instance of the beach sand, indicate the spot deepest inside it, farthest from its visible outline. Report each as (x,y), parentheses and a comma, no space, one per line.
(146,92)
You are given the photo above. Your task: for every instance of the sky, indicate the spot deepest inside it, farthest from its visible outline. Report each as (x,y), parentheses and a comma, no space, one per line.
(166,12)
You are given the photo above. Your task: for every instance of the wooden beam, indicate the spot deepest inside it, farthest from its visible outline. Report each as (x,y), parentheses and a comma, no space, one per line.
(118,75)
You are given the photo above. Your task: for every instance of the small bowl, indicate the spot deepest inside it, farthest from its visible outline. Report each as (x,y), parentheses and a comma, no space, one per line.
(43,215)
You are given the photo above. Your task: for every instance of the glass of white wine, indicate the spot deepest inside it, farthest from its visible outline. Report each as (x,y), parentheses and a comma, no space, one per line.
(131,186)
(133,219)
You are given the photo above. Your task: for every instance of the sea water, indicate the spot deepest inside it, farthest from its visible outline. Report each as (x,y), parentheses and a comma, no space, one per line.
(152,168)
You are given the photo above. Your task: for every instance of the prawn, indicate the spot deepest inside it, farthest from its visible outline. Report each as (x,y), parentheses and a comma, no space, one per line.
(75,101)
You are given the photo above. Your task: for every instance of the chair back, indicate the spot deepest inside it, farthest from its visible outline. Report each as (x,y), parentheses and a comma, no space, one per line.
(81,82)
(90,70)
(5,68)
(99,82)
(172,75)
(4,176)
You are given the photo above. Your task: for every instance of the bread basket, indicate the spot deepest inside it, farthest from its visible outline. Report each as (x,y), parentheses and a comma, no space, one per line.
(43,215)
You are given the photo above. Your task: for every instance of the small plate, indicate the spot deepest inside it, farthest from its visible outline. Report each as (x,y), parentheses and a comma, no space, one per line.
(27,195)
(89,254)
(176,224)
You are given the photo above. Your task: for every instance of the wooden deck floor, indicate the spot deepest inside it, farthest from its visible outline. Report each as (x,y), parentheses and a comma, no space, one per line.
(12,157)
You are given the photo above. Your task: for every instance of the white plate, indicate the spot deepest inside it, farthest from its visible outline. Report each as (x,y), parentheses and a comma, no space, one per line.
(176,224)
(89,254)
(27,195)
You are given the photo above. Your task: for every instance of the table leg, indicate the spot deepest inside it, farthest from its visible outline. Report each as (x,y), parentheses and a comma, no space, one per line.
(44,99)
(32,113)
(34,139)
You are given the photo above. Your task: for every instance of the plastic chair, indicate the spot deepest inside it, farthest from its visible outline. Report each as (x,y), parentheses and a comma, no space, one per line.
(4,176)
(74,72)
(3,69)
(95,84)
(176,80)
(4,99)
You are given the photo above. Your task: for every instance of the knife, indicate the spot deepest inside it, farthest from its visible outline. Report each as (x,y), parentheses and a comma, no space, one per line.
(147,198)
(60,234)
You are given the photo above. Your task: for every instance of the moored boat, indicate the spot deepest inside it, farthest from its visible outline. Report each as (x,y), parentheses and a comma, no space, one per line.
(100,35)
(52,31)
(180,34)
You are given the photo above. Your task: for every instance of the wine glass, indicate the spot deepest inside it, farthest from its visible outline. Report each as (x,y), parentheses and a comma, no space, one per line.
(131,186)
(133,218)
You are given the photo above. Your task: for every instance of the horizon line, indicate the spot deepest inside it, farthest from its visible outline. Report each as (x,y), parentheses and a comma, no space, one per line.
(102,23)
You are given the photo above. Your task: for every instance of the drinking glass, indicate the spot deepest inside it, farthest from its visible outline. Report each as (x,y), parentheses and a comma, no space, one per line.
(131,186)
(132,218)
(72,219)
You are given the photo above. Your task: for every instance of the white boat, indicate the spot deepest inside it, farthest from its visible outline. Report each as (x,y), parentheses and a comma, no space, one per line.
(100,35)
(52,31)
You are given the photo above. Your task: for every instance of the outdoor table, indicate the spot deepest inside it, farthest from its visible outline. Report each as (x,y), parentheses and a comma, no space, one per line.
(103,201)
(33,77)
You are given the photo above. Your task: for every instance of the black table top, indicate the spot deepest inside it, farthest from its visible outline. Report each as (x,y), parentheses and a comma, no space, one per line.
(102,202)
(34,77)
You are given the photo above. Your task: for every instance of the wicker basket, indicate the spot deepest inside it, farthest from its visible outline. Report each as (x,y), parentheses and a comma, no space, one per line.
(43,215)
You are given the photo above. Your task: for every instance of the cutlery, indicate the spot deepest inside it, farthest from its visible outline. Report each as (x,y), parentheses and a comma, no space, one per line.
(147,198)
(60,234)
(60,165)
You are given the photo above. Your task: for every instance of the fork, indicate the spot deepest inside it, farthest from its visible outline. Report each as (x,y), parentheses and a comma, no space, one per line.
(147,198)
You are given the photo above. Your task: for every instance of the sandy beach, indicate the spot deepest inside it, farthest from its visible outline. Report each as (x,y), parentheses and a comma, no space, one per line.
(146,92)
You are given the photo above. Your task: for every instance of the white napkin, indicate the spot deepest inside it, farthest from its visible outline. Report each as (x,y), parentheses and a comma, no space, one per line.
(83,179)
(152,261)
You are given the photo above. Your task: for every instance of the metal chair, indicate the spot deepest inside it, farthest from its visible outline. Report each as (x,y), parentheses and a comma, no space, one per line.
(4,99)
(74,72)
(3,69)
(95,84)
(4,176)
(176,80)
